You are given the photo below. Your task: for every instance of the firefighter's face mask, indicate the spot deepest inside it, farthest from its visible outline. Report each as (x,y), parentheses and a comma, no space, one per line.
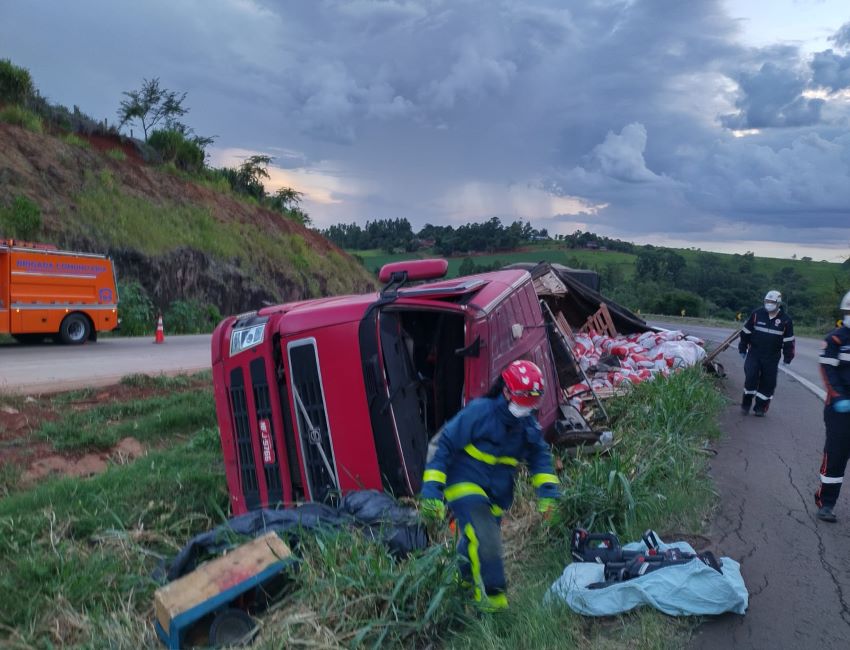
(519,411)
(771,307)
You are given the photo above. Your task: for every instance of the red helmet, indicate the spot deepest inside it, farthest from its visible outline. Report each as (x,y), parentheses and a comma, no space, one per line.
(524,383)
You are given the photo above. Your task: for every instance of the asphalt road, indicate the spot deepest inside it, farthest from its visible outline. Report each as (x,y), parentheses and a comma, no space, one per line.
(50,367)
(797,569)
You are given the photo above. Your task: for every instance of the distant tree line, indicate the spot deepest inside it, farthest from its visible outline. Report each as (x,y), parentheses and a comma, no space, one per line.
(397,235)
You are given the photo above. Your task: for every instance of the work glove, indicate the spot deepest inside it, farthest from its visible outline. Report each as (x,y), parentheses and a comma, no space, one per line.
(841,406)
(432,509)
(547,506)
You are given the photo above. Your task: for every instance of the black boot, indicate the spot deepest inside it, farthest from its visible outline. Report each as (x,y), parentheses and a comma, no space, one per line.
(825,513)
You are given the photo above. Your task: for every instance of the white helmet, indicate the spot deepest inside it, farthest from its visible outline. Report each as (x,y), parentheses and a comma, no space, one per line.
(773,296)
(845,302)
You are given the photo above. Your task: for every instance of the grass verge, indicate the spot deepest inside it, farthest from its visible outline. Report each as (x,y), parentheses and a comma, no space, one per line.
(79,552)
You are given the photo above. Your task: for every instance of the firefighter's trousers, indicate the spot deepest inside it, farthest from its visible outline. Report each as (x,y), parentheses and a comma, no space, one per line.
(759,381)
(480,550)
(836,451)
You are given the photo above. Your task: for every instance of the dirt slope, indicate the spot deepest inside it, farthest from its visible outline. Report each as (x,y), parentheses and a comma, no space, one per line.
(180,239)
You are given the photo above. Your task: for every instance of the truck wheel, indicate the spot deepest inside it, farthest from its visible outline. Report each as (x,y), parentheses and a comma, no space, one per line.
(75,329)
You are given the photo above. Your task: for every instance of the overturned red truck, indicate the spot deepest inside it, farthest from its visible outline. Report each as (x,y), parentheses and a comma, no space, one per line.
(322,397)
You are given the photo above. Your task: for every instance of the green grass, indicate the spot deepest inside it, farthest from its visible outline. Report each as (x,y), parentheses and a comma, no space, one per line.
(150,420)
(78,553)
(75,141)
(20,116)
(117,154)
(374,259)
(278,259)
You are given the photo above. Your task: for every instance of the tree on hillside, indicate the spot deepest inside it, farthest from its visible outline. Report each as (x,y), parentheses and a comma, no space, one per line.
(152,105)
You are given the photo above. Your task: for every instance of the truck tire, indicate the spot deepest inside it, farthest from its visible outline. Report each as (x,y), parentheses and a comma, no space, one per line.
(75,329)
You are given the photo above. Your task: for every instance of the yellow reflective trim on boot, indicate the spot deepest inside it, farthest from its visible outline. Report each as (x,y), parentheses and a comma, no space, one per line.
(460,490)
(497,603)
(474,560)
(490,459)
(541,479)
(434,475)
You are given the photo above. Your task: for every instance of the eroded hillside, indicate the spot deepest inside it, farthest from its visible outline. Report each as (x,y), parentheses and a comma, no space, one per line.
(181,239)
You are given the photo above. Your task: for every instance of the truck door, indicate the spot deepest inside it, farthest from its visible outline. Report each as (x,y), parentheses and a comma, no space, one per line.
(407,397)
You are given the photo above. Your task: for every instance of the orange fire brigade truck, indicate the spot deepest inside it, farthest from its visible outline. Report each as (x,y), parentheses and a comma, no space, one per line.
(48,292)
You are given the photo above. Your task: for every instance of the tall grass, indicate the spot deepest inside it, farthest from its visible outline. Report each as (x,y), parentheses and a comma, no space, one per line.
(20,116)
(352,593)
(120,220)
(78,554)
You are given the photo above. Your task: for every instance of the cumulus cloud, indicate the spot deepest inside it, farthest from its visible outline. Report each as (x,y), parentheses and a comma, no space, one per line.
(831,70)
(618,114)
(773,97)
(841,38)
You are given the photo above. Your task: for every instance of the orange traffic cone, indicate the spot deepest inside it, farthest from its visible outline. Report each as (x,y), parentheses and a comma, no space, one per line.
(160,333)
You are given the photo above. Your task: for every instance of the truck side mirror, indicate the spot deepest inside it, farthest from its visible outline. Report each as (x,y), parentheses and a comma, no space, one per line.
(471,350)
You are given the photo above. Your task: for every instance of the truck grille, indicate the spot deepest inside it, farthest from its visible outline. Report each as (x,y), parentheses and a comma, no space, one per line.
(271,471)
(312,422)
(244,446)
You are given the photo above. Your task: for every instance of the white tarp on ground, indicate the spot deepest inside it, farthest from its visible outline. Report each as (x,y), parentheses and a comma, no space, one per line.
(682,590)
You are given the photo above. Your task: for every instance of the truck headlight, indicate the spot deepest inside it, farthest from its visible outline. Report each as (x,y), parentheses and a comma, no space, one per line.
(247,337)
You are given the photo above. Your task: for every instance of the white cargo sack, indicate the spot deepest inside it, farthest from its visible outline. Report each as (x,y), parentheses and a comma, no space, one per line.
(680,590)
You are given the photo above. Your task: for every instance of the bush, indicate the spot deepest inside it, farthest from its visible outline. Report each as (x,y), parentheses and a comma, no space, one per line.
(174,147)
(15,83)
(22,219)
(75,140)
(22,117)
(191,317)
(135,310)
(116,154)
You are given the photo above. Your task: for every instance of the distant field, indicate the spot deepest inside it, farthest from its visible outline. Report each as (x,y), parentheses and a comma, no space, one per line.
(375,259)
(820,274)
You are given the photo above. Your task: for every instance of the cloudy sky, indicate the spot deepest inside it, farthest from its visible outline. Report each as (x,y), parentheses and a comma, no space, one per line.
(720,124)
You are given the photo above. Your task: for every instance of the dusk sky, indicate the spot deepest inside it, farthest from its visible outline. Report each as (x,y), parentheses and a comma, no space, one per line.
(709,123)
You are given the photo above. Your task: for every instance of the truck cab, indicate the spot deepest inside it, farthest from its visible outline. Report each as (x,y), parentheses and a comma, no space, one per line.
(321,397)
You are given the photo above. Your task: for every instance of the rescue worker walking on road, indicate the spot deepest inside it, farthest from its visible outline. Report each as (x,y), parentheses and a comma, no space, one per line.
(835,369)
(473,465)
(767,334)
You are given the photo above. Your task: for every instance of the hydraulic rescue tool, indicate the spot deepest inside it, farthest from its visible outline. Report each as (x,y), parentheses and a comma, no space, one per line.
(620,564)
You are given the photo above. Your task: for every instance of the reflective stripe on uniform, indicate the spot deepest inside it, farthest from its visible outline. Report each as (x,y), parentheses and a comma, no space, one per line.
(831,479)
(844,356)
(460,490)
(764,397)
(828,361)
(540,479)
(490,459)
(749,392)
(745,330)
(496,511)
(474,560)
(767,330)
(788,339)
(434,475)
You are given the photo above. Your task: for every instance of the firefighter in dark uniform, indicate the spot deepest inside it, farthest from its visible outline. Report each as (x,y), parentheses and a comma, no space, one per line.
(472,466)
(767,335)
(835,369)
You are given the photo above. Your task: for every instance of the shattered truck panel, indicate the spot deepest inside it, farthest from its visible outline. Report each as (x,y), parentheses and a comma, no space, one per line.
(319,398)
